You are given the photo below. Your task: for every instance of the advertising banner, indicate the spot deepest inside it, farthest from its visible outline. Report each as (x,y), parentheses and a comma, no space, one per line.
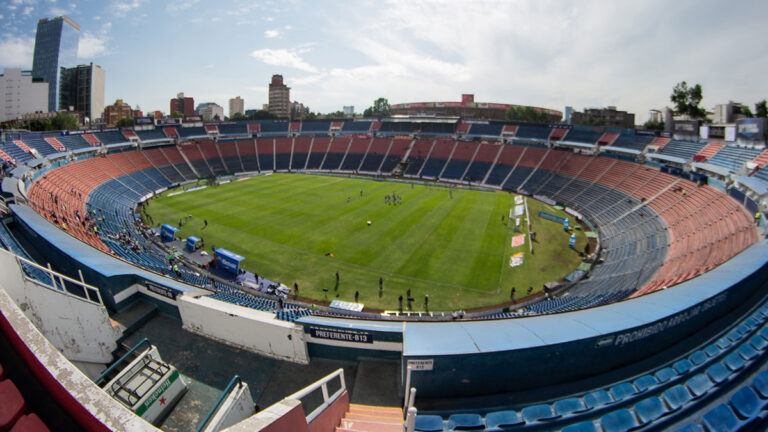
(227,260)
(751,129)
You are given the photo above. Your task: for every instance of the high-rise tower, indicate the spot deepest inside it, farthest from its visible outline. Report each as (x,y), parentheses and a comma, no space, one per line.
(55,47)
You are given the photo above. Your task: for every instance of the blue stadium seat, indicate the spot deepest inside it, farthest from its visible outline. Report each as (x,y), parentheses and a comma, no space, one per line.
(712,350)
(650,409)
(618,421)
(746,403)
(465,422)
(734,361)
(429,423)
(721,419)
(645,382)
(586,426)
(718,373)
(622,391)
(568,406)
(665,374)
(699,385)
(760,383)
(537,413)
(676,396)
(597,398)
(682,366)
(503,419)
(746,351)
(693,427)
(758,342)
(698,358)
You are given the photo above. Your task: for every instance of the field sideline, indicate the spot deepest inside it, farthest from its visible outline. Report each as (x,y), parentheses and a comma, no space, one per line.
(448,243)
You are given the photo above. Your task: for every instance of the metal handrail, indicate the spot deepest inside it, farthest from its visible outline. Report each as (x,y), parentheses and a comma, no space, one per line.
(90,291)
(122,359)
(322,383)
(234,381)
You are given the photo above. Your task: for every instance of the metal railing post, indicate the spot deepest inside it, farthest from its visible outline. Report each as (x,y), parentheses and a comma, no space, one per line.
(410,420)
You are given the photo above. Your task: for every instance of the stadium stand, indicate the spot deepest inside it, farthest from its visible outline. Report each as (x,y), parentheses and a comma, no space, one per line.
(733,158)
(682,149)
(317,153)
(193,132)
(527,132)
(230,156)
(375,155)
(265,148)
(357,150)
(461,157)
(418,155)
(336,153)
(490,129)
(357,126)
(441,152)
(247,151)
(152,135)
(233,130)
(111,137)
(583,135)
(283,152)
(74,142)
(633,142)
(708,151)
(301,146)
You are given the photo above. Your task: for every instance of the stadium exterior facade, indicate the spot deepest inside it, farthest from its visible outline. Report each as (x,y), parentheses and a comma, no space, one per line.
(467,109)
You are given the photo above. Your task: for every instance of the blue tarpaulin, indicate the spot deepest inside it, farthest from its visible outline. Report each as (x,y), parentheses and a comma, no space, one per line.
(167,232)
(227,260)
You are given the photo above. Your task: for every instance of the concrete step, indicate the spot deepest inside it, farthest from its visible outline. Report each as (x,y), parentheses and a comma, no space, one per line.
(367,426)
(394,419)
(377,410)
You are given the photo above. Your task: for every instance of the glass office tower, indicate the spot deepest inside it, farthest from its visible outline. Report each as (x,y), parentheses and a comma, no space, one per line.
(55,47)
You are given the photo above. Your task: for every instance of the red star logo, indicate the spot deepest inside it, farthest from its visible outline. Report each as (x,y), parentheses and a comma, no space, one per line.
(162,400)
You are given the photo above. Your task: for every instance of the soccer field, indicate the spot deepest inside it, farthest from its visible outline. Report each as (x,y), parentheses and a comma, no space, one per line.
(448,243)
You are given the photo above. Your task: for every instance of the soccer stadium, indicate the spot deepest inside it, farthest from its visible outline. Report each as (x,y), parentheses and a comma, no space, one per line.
(655,318)
(430,265)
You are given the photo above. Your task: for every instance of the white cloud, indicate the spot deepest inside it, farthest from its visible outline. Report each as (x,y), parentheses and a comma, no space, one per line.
(174,7)
(271,34)
(28,10)
(17,52)
(284,57)
(124,7)
(94,44)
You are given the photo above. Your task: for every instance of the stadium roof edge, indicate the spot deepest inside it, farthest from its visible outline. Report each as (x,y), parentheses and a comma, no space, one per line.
(470,337)
(102,263)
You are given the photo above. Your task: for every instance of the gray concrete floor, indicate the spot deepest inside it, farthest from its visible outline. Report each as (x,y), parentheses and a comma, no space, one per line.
(207,367)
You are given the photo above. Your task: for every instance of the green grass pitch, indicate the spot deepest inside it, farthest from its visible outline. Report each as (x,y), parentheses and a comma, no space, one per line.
(448,243)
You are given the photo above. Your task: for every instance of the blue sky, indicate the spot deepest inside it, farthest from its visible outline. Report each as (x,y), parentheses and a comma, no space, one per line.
(545,53)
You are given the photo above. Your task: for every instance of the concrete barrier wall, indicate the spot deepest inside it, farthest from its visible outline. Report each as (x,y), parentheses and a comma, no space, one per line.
(245,328)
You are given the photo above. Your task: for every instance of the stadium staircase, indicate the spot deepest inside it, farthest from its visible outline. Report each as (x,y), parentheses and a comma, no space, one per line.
(367,418)
(762,159)
(707,152)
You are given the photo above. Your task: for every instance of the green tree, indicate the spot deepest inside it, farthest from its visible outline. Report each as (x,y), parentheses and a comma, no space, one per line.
(746,112)
(526,114)
(761,109)
(687,100)
(237,116)
(380,108)
(124,122)
(178,114)
(653,125)
(261,115)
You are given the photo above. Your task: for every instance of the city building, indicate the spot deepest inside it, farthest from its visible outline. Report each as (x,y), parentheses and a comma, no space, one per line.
(82,89)
(568,114)
(655,115)
(55,47)
(279,97)
(210,111)
(298,110)
(236,105)
(728,113)
(21,94)
(609,117)
(349,110)
(182,104)
(118,111)
(467,108)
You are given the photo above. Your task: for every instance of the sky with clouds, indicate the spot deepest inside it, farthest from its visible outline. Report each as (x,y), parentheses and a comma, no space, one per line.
(548,53)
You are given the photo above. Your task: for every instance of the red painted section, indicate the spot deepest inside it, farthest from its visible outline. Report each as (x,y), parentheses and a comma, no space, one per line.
(293,421)
(331,417)
(68,402)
